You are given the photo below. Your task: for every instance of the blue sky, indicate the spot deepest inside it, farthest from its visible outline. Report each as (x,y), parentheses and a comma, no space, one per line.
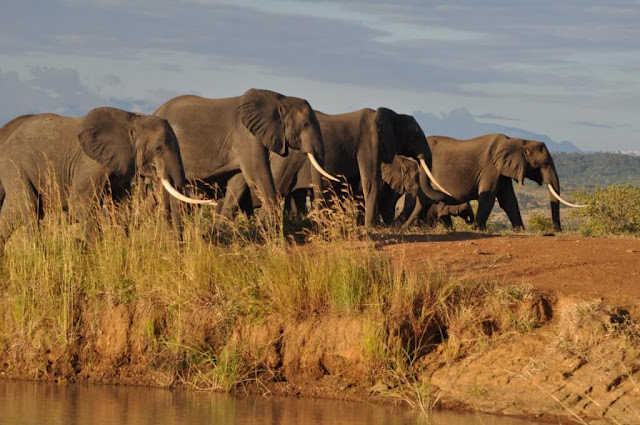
(568,69)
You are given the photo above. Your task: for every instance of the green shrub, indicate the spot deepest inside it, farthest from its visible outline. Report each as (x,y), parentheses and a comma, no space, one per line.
(540,223)
(611,210)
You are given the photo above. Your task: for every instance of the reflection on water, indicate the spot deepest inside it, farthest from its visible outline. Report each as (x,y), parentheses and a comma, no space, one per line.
(30,403)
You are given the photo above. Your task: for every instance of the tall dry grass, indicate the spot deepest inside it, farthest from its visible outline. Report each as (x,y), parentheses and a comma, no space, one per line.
(53,284)
(55,288)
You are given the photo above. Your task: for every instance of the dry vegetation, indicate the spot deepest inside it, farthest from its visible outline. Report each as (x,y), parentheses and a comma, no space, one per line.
(54,288)
(186,301)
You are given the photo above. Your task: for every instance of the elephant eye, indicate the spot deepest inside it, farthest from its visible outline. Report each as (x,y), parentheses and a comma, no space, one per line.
(158,149)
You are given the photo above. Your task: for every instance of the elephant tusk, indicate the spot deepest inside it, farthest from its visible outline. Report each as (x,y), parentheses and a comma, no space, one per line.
(173,192)
(433,179)
(569,204)
(319,168)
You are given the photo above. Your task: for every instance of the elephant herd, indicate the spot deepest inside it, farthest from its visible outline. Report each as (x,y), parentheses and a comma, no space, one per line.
(259,147)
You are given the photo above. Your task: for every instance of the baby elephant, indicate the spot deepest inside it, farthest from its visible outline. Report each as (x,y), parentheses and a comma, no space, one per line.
(442,213)
(401,197)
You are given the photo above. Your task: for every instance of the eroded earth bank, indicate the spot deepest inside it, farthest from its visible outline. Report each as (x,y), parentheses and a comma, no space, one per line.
(550,332)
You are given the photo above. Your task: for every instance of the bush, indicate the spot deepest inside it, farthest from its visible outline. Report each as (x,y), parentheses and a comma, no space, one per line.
(611,210)
(540,223)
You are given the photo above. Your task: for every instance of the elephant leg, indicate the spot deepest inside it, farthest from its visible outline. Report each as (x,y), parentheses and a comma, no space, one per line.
(19,207)
(290,205)
(446,221)
(486,200)
(387,204)
(2,195)
(317,189)
(285,173)
(417,209)
(299,201)
(83,197)
(237,188)
(509,203)
(371,181)
(254,164)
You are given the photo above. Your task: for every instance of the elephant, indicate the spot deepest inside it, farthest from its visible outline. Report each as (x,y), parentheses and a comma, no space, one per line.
(74,159)
(482,169)
(402,196)
(223,138)
(356,143)
(442,213)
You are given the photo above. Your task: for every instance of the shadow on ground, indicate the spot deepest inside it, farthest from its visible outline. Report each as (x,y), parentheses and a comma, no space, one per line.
(397,238)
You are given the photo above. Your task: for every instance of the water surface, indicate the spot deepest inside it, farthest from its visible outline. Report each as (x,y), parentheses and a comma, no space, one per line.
(32,403)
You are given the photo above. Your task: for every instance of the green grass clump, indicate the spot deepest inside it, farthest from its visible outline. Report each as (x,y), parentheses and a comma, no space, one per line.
(611,210)
(539,223)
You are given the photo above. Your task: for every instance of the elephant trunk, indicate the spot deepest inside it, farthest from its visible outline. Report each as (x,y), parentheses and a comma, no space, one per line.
(174,174)
(425,183)
(421,201)
(467,214)
(312,144)
(550,177)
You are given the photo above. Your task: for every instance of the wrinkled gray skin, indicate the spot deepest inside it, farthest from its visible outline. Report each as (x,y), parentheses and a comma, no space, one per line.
(75,157)
(402,197)
(6,131)
(221,137)
(483,168)
(356,144)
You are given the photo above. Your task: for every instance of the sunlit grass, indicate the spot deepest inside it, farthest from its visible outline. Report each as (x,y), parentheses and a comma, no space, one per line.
(189,296)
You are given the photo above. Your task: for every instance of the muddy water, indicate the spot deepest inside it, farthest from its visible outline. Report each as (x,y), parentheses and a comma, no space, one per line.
(29,403)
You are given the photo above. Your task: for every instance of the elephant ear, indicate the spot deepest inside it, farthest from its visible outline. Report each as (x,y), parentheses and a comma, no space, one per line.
(393,175)
(106,136)
(509,158)
(261,113)
(385,120)
(411,175)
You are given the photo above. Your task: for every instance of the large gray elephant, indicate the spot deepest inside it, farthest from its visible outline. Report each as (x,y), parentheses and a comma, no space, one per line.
(482,169)
(356,143)
(221,137)
(74,158)
(402,197)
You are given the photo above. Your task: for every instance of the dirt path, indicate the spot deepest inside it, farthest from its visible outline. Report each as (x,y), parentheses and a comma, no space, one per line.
(570,265)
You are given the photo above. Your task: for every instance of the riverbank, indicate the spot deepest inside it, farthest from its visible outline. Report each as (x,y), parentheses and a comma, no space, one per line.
(544,358)
(337,317)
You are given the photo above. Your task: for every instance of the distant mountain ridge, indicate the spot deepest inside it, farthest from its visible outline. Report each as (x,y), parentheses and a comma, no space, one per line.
(461,124)
(600,168)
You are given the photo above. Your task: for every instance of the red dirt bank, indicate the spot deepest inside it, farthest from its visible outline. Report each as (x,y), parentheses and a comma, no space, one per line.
(589,268)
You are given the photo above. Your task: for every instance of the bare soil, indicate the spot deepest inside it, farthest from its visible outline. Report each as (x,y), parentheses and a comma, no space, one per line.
(587,268)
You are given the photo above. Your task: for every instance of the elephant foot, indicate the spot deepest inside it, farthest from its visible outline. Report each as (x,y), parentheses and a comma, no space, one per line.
(480,227)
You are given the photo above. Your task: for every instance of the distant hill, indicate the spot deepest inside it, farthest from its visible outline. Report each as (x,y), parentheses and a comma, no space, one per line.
(461,124)
(602,169)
